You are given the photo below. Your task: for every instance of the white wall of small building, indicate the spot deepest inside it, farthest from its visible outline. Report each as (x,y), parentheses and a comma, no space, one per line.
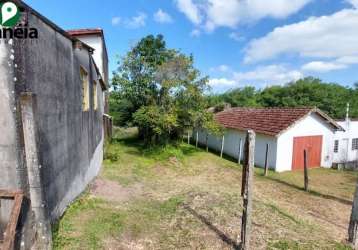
(280,147)
(312,125)
(345,152)
(232,145)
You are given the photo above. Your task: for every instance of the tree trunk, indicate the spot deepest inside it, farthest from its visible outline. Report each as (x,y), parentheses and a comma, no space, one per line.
(207,140)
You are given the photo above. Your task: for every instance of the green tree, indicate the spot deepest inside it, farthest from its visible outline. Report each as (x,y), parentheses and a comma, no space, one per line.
(162,89)
(332,98)
(240,97)
(120,109)
(329,97)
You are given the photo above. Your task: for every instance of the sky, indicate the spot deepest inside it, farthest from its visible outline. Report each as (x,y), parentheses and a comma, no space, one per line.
(236,43)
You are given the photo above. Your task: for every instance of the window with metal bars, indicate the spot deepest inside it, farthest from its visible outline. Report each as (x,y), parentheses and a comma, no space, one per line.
(355,144)
(336,146)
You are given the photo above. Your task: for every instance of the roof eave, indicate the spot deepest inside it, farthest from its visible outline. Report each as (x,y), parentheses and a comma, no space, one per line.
(319,112)
(329,119)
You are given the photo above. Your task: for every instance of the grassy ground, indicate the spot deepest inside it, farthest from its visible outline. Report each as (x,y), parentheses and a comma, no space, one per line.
(179,197)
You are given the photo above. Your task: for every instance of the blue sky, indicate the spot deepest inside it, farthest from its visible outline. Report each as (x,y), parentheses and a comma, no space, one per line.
(235,42)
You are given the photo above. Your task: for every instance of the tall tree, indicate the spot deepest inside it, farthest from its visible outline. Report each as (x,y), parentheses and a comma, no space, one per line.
(162,89)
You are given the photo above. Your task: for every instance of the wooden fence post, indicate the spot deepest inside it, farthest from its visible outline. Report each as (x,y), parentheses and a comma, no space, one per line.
(353,224)
(197,138)
(207,141)
(240,150)
(266,159)
(222,146)
(305,157)
(247,188)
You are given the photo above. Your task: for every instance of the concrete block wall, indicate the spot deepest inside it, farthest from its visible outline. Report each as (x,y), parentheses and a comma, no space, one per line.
(232,142)
(70,140)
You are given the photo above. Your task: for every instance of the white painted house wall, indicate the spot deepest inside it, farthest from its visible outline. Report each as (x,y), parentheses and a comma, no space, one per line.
(232,142)
(345,152)
(281,147)
(96,43)
(311,125)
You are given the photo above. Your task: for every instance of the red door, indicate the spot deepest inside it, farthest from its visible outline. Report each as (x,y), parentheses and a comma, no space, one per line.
(313,145)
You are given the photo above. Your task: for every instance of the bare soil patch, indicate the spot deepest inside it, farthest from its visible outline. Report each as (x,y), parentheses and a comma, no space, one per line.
(112,191)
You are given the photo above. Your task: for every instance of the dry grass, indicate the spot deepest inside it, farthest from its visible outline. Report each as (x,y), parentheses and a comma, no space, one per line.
(184,198)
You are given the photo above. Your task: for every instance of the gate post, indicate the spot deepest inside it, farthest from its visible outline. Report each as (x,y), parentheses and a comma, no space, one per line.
(247,189)
(305,159)
(353,224)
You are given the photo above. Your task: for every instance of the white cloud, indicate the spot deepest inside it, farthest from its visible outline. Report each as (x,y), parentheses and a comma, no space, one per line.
(319,66)
(348,60)
(222,13)
(136,21)
(261,77)
(258,9)
(116,20)
(221,82)
(332,37)
(269,75)
(162,17)
(210,14)
(221,68)
(190,9)
(236,36)
(195,33)
(354,3)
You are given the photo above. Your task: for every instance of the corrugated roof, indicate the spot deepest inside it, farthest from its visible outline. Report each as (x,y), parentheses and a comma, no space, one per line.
(268,121)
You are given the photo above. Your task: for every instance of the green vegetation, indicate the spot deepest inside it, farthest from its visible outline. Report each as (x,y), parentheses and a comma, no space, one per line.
(311,92)
(158,90)
(89,222)
(98,222)
(180,197)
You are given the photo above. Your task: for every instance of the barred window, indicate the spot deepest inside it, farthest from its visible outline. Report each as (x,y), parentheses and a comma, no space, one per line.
(355,144)
(336,146)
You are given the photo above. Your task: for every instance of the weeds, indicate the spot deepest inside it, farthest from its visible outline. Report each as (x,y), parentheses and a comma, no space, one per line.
(169,176)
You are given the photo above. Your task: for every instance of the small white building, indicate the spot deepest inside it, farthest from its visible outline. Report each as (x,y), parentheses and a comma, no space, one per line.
(287,132)
(346,142)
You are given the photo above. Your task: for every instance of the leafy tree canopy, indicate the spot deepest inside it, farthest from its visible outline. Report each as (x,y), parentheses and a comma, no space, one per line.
(332,98)
(159,90)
